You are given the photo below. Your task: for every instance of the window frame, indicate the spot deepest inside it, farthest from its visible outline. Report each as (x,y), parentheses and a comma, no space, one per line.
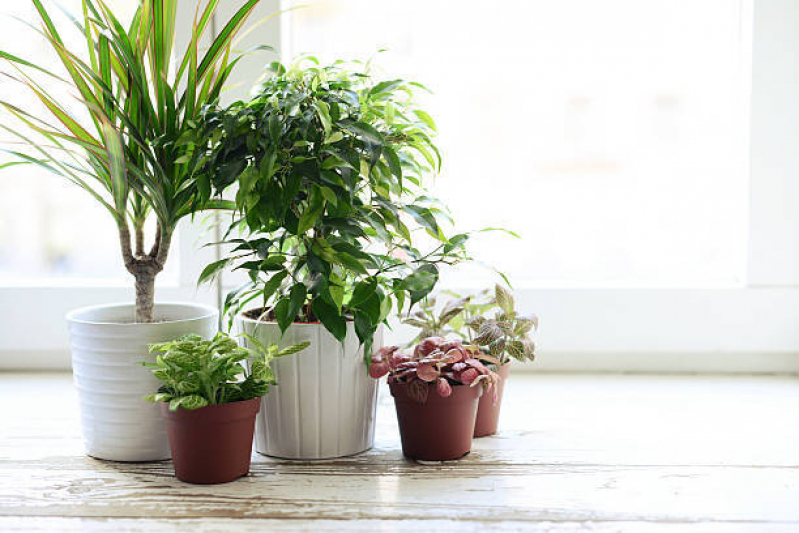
(750,328)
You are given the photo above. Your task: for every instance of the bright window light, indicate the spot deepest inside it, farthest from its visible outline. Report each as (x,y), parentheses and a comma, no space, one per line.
(610,134)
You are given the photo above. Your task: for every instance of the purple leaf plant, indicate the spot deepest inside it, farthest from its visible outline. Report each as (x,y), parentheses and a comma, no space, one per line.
(437,363)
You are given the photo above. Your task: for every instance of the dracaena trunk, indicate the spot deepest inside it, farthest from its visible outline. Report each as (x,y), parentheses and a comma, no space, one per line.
(145,296)
(144,267)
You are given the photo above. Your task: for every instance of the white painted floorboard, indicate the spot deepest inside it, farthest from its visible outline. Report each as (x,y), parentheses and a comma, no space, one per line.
(600,453)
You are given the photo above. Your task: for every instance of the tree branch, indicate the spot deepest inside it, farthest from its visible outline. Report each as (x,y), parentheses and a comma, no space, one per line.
(139,229)
(124,242)
(160,249)
(156,243)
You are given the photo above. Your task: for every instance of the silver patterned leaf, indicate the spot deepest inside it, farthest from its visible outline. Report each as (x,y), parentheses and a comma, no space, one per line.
(515,349)
(529,349)
(488,333)
(506,326)
(504,299)
(497,347)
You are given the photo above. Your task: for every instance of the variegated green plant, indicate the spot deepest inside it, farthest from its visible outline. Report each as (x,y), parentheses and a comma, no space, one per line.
(197,372)
(433,322)
(120,131)
(506,334)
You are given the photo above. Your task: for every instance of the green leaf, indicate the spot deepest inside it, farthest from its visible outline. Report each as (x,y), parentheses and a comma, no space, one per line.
(312,213)
(425,218)
(334,137)
(282,313)
(212,270)
(367,132)
(296,299)
(291,350)
(323,110)
(363,291)
(424,117)
(393,162)
(329,195)
(331,319)
(191,402)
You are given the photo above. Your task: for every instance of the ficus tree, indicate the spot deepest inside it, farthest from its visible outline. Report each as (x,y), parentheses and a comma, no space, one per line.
(121,133)
(334,221)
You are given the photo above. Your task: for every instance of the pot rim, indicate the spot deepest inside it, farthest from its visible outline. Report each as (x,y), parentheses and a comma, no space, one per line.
(207,311)
(461,397)
(211,414)
(241,316)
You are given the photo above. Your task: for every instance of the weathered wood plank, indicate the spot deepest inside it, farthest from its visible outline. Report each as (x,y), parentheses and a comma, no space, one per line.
(594,453)
(246,525)
(521,493)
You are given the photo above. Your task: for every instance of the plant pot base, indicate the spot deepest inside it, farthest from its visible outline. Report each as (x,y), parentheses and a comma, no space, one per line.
(324,405)
(212,444)
(303,459)
(107,347)
(440,429)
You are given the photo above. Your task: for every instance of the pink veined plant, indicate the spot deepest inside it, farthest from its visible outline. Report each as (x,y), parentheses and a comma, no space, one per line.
(437,363)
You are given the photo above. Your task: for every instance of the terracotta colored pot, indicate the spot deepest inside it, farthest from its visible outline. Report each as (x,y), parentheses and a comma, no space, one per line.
(439,429)
(488,410)
(211,444)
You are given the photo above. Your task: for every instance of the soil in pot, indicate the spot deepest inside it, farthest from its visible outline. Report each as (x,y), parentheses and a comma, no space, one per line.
(488,409)
(211,444)
(261,314)
(441,428)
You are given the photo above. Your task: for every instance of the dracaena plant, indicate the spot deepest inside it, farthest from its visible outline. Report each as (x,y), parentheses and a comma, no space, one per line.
(197,372)
(120,131)
(503,334)
(331,167)
(436,364)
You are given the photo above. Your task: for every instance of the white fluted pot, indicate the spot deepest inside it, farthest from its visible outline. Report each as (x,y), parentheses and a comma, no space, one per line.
(107,347)
(324,403)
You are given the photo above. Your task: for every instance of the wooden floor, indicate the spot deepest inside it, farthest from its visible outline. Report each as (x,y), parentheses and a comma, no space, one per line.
(576,453)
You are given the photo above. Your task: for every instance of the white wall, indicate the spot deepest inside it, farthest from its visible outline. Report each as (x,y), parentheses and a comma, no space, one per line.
(774,194)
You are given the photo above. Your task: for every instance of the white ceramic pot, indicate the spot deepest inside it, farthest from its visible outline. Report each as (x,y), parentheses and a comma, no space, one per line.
(324,403)
(107,347)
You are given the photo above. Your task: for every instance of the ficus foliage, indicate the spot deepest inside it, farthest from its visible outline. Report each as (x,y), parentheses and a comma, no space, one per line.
(119,130)
(331,167)
(197,372)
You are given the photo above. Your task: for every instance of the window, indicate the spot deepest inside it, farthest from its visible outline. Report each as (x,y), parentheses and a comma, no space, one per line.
(609,134)
(614,136)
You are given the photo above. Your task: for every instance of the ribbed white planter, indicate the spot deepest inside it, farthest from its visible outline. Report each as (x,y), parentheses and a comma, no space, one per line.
(324,404)
(107,347)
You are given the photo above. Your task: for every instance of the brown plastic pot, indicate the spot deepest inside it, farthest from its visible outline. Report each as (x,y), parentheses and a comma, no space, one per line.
(211,444)
(488,409)
(439,429)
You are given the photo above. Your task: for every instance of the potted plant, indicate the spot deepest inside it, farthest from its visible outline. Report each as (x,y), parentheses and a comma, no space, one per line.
(209,401)
(498,338)
(436,392)
(330,166)
(502,335)
(121,135)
